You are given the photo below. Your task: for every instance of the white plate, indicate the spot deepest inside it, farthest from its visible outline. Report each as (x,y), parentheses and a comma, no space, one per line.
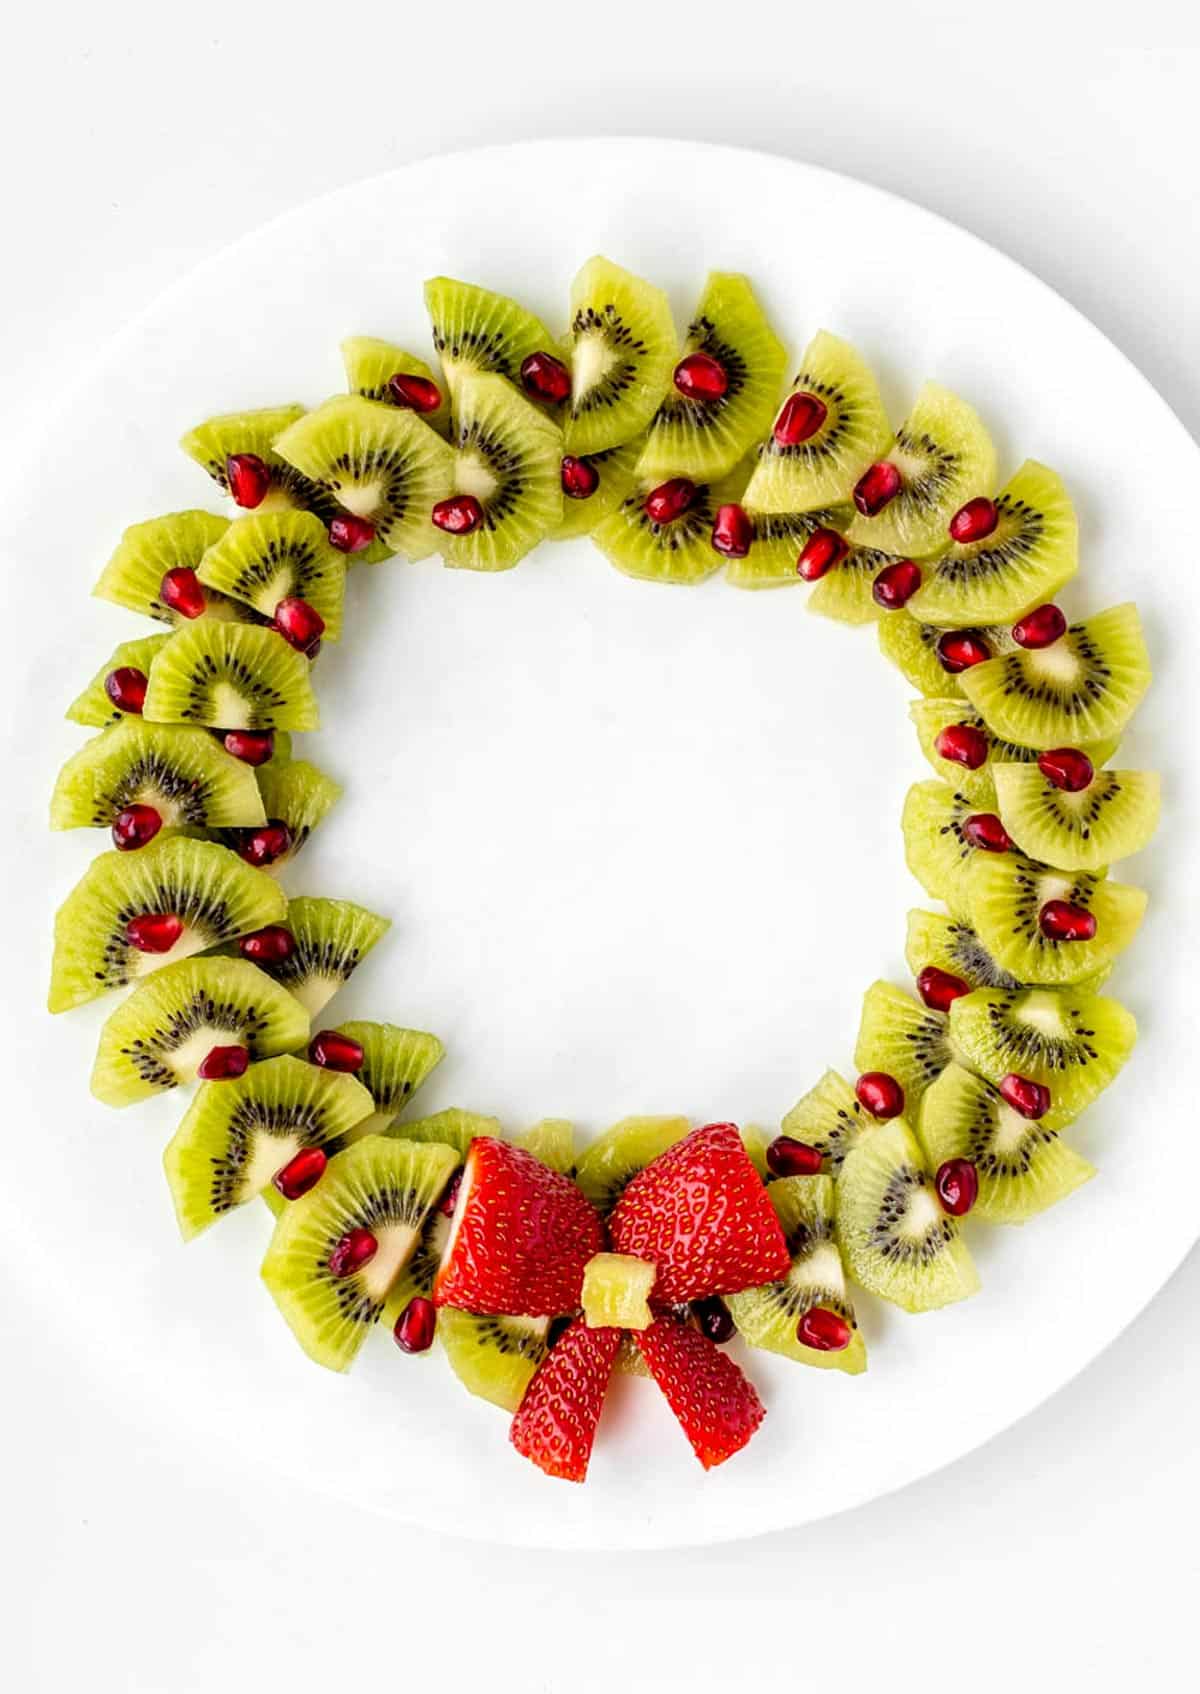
(640,845)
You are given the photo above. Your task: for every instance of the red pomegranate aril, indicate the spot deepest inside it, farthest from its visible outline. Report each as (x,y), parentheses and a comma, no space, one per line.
(126,688)
(134,827)
(1067,768)
(958,650)
(800,417)
(962,744)
(896,584)
(940,989)
(788,1157)
(1039,629)
(824,549)
(415,393)
(1059,920)
(154,932)
(222,1064)
(1028,1098)
(670,500)
(270,945)
(350,534)
(248,479)
(543,377)
(876,487)
(974,521)
(334,1052)
(301,1173)
(355,1249)
(449,1199)
(985,831)
(701,377)
(732,532)
(957,1184)
(414,1327)
(261,847)
(251,746)
(459,515)
(182,592)
(714,1319)
(880,1094)
(823,1330)
(580,480)
(300,624)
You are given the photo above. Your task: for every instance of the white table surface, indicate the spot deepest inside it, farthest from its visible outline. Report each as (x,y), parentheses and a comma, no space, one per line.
(135,143)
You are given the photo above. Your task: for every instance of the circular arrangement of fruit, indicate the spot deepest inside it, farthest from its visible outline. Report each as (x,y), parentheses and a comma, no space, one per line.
(539,1269)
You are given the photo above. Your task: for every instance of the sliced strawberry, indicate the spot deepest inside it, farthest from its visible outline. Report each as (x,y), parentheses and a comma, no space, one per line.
(519,1238)
(555,1424)
(716,1405)
(701,1213)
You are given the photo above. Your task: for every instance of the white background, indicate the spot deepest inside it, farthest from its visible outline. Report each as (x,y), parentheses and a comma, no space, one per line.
(134,145)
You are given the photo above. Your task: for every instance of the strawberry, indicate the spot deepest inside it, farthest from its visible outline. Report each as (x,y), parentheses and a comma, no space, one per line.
(717,1407)
(701,1213)
(555,1424)
(520,1236)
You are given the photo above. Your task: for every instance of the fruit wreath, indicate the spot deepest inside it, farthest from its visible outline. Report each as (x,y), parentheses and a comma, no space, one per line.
(538,1268)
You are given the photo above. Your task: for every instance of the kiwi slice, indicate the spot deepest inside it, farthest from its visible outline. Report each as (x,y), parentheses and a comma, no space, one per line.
(950,944)
(187,777)
(209,891)
(850,431)
(163,1032)
(845,593)
(94,707)
(1084,687)
(679,550)
(912,648)
(395,1064)
(495,1358)
(829,1118)
(269,556)
(233,434)
(898,1035)
(236,1135)
(609,1162)
(767,1316)
(230,676)
(332,938)
(622,353)
(508,456)
(705,438)
(615,481)
(370,366)
(552,1140)
(381,463)
(777,540)
(299,795)
(931,717)
(382,1186)
(1072,1043)
(147,551)
(475,330)
(935,848)
(1114,816)
(945,457)
(1006,893)
(453,1127)
(895,1239)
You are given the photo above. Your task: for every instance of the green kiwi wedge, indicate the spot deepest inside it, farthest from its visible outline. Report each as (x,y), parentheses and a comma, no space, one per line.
(1114,816)
(898,1035)
(238,1134)
(1084,687)
(395,1063)
(508,458)
(253,434)
(371,364)
(200,893)
(163,1032)
(777,540)
(453,1127)
(1023,1167)
(607,1164)
(945,457)
(845,593)
(895,1239)
(1032,551)
(678,550)
(382,1187)
(623,350)
(229,676)
(267,557)
(588,499)
(95,707)
(332,939)
(1006,894)
(768,1316)
(829,1118)
(189,779)
(297,795)
(494,1358)
(552,1140)
(705,437)
(147,551)
(476,331)
(1072,1043)
(913,648)
(385,465)
(934,716)
(950,944)
(830,428)
(936,849)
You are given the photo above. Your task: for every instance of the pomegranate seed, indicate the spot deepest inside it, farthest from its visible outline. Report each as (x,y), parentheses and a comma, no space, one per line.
(962,744)
(154,932)
(248,479)
(701,377)
(800,417)
(880,1094)
(876,487)
(134,827)
(181,591)
(713,1317)
(544,377)
(251,746)
(126,688)
(355,1249)
(958,650)
(580,480)
(823,1330)
(300,624)
(223,1063)
(1031,1099)
(450,1198)
(985,831)
(270,945)
(1040,628)
(1059,920)
(415,1326)
(260,847)
(974,521)
(824,549)
(1067,768)
(334,1052)
(732,531)
(301,1173)
(939,989)
(788,1157)
(459,515)
(350,534)
(670,500)
(957,1184)
(415,393)
(896,584)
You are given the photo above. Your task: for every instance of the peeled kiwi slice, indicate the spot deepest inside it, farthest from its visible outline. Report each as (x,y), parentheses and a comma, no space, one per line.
(777,540)
(895,1239)
(383,1186)
(94,707)
(370,366)
(836,387)
(553,1142)
(332,938)
(679,550)
(705,438)
(215,441)
(1006,893)
(950,944)
(829,1118)
(1023,1167)
(230,676)
(395,1064)
(187,777)
(912,648)
(298,795)
(898,1035)
(147,551)
(211,893)
(163,1032)
(935,848)
(845,593)
(236,1135)
(622,354)
(614,471)
(1083,687)
(508,456)
(493,1357)
(453,1127)
(1115,815)
(268,556)
(1072,1043)
(931,717)
(608,1163)
(475,330)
